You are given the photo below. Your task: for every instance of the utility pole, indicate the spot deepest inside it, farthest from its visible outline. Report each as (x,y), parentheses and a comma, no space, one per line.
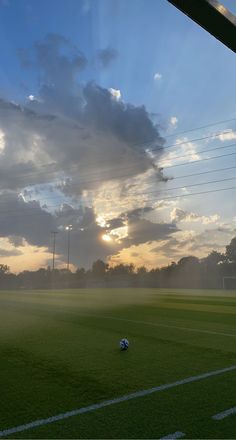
(54,233)
(68,229)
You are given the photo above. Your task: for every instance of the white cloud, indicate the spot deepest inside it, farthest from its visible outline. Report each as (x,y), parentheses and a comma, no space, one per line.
(227,135)
(2,141)
(61,141)
(31,98)
(115,93)
(185,151)
(157,76)
(173,121)
(179,215)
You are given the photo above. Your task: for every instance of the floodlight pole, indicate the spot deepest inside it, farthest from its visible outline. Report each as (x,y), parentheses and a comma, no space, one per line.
(54,233)
(68,228)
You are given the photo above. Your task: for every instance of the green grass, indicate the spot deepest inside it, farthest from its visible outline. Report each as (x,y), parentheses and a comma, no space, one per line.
(60,351)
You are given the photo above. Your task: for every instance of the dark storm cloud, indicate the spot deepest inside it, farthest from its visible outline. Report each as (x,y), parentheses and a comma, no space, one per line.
(10,253)
(107,56)
(20,219)
(140,229)
(116,223)
(129,123)
(143,231)
(72,124)
(76,137)
(172,248)
(86,236)
(214,238)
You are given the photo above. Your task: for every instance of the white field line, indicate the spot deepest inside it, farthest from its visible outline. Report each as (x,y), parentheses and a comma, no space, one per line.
(224,414)
(125,398)
(155,324)
(177,434)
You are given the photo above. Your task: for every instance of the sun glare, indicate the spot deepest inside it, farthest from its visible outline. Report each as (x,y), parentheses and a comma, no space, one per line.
(106,237)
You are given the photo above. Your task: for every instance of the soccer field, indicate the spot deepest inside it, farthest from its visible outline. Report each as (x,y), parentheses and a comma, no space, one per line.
(60,356)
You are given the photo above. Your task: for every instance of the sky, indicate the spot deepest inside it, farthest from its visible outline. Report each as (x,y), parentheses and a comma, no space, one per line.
(112,114)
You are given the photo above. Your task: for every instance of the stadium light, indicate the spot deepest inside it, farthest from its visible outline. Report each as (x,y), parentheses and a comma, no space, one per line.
(68,229)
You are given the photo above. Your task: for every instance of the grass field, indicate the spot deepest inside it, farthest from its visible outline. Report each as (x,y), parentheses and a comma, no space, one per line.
(60,352)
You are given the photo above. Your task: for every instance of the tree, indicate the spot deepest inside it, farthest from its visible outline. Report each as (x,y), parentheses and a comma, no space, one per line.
(4,269)
(214,258)
(99,268)
(231,250)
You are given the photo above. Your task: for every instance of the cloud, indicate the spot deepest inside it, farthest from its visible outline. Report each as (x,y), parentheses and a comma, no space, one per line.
(31,97)
(188,242)
(87,244)
(39,146)
(68,140)
(140,229)
(115,93)
(25,220)
(185,151)
(2,142)
(107,56)
(10,253)
(173,121)
(129,229)
(157,76)
(179,215)
(228,135)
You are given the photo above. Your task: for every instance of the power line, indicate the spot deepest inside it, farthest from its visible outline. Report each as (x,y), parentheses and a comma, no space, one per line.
(131,167)
(199,152)
(131,194)
(179,144)
(201,127)
(148,200)
(196,194)
(187,186)
(198,160)
(204,172)
(172,166)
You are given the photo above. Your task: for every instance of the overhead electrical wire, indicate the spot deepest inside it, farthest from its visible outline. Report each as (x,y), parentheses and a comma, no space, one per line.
(163,148)
(148,200)
(201,127)
(137,194)
(131,167)
(167,167)
(172,166)
(197,152)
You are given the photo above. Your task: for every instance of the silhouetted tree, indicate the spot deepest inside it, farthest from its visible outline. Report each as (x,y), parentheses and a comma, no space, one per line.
(231,250)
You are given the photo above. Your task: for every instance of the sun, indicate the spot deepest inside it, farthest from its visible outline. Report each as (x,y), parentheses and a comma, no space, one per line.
(106,237)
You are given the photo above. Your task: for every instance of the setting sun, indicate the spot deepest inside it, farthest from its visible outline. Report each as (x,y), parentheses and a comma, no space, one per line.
(106,237)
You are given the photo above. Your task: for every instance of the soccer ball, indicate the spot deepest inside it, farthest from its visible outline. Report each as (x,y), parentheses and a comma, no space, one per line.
(124,344)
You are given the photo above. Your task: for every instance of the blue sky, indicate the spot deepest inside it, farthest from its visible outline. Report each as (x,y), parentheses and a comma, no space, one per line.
(150,36)
(194,84)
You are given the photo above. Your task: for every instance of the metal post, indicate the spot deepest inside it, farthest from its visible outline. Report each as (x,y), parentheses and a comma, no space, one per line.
(68,228)
(53,249)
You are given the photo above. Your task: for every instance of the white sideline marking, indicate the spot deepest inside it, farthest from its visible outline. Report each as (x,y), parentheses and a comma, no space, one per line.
(105,403)
(224,414)
(155,324)
(177,434)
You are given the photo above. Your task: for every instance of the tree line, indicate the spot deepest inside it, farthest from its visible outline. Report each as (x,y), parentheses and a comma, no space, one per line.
(188,272)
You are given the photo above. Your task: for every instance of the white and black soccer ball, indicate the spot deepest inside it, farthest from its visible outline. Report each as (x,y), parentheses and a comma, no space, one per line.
(124,344)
